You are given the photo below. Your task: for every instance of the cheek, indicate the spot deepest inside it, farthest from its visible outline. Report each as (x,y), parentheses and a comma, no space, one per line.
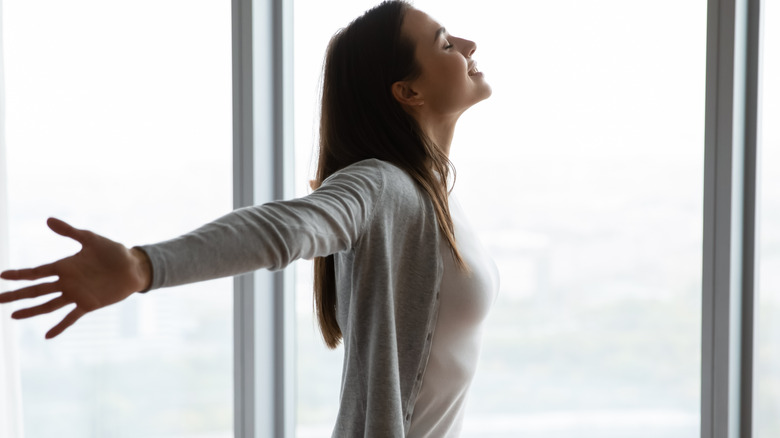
(447,84)
(449,76)
(456,70)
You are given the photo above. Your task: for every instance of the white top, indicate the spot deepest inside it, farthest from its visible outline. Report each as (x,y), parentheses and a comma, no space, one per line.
(465,299)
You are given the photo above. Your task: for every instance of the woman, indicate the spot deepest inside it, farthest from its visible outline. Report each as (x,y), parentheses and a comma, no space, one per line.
(399,279)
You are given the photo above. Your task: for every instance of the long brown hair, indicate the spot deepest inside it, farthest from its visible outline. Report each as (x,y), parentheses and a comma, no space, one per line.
(361,119)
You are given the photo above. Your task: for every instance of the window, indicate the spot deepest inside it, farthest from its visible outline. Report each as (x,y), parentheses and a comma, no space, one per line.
(595,149)
(585,182)
(767,360)
(119,121)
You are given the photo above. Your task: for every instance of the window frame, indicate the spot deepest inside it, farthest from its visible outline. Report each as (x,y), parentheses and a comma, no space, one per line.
(262,172)
(730,180)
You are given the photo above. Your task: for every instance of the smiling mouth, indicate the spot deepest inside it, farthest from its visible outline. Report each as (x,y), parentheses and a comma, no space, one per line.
(474,71)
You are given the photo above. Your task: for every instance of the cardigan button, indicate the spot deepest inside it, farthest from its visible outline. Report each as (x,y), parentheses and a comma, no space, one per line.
(430,335)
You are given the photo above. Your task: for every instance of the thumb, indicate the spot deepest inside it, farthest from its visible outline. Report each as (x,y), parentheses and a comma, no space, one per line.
(64,229)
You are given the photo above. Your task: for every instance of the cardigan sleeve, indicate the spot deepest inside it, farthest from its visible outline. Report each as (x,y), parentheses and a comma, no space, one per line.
(273,235)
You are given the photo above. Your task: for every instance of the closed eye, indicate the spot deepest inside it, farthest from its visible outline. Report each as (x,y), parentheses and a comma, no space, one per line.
(442,32)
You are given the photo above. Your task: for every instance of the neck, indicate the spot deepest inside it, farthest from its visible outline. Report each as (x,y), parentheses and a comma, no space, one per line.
(439,129)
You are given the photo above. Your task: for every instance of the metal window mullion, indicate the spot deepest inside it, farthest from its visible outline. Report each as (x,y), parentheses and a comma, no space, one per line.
(243,152)
(263,391)
(750,209)
(729,216)
(283,144)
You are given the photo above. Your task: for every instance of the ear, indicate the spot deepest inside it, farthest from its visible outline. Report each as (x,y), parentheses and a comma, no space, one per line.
(405,94)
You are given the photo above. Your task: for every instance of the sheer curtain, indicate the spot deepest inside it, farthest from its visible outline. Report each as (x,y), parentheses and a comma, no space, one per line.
(10,397)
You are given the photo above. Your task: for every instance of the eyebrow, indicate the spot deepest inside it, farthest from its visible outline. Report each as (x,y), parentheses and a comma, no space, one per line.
(439,33)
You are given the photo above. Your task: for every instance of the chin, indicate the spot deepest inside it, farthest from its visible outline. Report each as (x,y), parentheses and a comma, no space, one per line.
(486,88)
(484,92)
(488,91)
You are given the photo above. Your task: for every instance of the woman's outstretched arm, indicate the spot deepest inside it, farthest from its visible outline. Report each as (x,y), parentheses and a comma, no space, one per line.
(268,236)
(104,272)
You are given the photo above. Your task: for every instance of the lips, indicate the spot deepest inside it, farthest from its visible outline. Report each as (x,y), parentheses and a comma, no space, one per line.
(473,69)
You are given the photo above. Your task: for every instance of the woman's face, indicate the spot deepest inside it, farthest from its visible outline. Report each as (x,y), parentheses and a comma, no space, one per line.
(450,82)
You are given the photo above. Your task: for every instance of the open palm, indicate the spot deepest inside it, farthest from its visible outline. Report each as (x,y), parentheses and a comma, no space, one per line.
(102,273)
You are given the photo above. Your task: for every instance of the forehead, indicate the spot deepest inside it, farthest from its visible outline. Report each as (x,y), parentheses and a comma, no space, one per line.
(419,26)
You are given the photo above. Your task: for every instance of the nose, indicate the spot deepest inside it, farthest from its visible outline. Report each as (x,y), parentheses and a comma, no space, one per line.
(469,47)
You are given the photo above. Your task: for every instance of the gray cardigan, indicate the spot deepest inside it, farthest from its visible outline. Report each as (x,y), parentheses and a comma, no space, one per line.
(382,229)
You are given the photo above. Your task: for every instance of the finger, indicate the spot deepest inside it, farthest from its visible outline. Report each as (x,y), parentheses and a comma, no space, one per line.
(36,273)
(47,307)
(64,229)
(66,322)
(29,292)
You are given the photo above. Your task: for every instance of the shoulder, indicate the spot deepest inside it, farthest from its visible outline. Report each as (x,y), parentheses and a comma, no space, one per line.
(374,168)
(387,188)
(376,176)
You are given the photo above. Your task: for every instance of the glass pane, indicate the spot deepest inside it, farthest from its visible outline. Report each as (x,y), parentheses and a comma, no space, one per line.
(587,185)
(583,176)
(767,355)
(119,121)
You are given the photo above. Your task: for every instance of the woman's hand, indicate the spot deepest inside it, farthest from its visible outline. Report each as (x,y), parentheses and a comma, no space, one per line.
(104,272)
